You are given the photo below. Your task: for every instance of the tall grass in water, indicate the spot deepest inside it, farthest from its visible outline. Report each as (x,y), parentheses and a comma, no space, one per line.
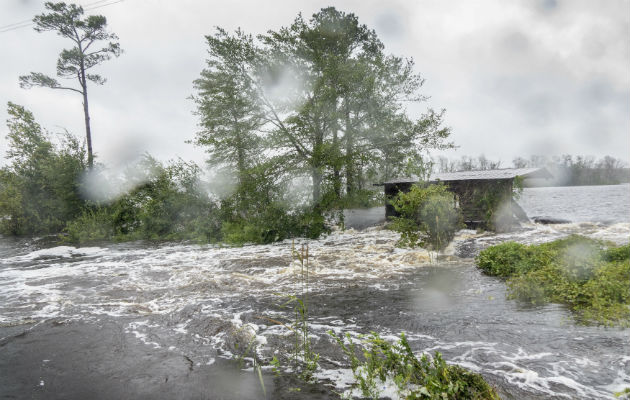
(304,359)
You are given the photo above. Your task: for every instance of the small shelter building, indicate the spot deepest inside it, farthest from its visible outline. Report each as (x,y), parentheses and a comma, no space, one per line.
(483,197)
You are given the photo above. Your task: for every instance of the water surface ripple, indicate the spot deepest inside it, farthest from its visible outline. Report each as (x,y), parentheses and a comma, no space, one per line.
(161,321)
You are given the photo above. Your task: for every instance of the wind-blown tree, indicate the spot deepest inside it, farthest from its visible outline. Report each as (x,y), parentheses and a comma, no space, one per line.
(39,186)
(325,100)
(86,34)
(352,114)
(226,103)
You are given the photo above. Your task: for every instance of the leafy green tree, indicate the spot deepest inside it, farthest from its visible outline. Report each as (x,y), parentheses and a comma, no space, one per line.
(226,101)
(39,188)
(320,98)
(85,33)
(350,115)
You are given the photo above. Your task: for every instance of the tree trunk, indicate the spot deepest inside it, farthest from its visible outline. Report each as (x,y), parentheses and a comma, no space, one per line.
(336,167)
(240,155)
(350,184)
(336,161)
(317,162)
(316,176)
(86,111)
(88,131)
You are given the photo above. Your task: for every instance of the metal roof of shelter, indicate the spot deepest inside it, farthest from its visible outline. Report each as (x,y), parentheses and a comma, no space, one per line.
(507,173)
(491,174)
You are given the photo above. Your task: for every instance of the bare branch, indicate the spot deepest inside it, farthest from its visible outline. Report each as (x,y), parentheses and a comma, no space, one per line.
(37,79)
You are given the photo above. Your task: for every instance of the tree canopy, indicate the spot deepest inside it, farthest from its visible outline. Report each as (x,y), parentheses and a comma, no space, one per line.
(319,97)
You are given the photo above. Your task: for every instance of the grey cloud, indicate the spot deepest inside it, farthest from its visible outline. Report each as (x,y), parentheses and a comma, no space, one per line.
(516,78)
(391,24)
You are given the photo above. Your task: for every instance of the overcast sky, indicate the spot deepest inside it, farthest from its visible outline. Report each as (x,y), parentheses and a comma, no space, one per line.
(516,77)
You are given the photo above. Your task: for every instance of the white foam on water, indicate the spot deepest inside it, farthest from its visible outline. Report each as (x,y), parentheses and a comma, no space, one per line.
(137,327)
(56,252)
(163,280)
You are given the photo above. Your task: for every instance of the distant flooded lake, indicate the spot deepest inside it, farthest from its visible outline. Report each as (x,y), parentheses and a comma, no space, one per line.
(145,321)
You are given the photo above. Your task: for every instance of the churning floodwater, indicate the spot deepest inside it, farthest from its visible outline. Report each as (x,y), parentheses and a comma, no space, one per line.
(138,320)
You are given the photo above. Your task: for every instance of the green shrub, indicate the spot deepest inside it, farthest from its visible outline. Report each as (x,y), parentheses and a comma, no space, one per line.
(41,192)
(91,226)
(511,258)
(414,378)
(620,253)
(440,221)
(272,224)
(592,281)
(428,217)
(504,259)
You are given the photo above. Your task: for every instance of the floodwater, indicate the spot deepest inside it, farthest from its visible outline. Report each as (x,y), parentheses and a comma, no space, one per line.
(145,321)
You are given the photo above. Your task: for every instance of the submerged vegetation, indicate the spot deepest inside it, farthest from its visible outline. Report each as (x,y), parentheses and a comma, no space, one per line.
(304,359)
(589,276)
(380,362)
(428,217)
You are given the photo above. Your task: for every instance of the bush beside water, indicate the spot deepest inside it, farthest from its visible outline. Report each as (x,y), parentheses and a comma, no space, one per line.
(413,378)
(47,189)
(428,217)
(591,277)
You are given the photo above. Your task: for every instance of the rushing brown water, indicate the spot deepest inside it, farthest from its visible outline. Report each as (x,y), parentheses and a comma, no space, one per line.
(167,321)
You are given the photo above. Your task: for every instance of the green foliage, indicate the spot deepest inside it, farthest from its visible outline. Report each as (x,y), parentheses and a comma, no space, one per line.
(319,98)
(306,360)
(93,225)
(593,281)
(273,223)
(496,201)
(428,217)
(511,258)
(170,204)
(414,378)
(39,189)
(617,253)
(226,103)
(440,221)
(167,206)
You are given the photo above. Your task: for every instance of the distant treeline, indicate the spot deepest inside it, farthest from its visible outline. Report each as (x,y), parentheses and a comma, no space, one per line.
(567,170)
(579,170)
